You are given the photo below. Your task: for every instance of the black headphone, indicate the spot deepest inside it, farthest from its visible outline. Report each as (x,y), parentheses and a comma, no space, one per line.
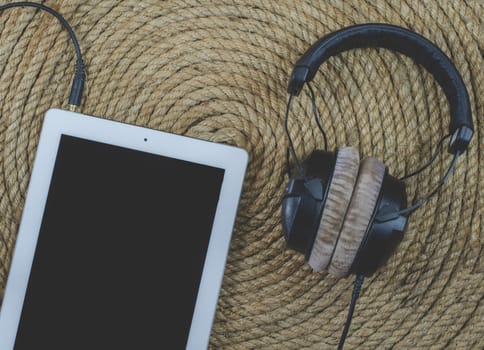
(348,216)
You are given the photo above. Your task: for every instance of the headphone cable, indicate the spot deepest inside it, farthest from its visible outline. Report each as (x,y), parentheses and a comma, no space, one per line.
(316,115)
(77,87)
(290,149)
(384,216)
(431,160)
(356,293)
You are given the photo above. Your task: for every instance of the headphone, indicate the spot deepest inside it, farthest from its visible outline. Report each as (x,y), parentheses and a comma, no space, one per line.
(345,215)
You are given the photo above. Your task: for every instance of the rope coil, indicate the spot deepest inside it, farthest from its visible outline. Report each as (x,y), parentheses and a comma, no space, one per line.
(218,70)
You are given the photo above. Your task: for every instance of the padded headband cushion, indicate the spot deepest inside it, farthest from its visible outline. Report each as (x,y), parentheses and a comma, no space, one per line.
(358,215)
(338,199)
(402,40)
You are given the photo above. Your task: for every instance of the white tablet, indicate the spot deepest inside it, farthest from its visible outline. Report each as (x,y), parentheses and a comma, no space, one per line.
(123,238)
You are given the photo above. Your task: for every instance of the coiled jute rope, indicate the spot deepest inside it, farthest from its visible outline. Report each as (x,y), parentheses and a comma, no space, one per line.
(218,70)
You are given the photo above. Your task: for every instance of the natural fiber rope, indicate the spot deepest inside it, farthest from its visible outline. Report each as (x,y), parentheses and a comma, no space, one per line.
(218,70)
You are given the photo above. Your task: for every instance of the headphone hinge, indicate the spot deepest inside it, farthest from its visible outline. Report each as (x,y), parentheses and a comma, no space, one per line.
(460,139)
(298,78)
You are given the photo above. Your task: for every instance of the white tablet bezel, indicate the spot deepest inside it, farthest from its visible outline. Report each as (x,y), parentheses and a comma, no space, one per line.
(58,122)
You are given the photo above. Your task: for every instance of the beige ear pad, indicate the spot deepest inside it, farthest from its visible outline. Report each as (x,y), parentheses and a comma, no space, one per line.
(358,216)
(337,201)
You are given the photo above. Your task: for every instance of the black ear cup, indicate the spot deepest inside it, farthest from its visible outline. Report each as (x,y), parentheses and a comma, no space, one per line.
(331,214)
(303,201)
(299,212)
(382,238)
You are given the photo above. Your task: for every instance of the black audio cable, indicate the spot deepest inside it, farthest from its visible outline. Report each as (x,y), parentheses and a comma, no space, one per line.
(77,87)
(356,294)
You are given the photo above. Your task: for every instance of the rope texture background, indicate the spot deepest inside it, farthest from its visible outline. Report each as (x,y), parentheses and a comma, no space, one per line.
(218,70)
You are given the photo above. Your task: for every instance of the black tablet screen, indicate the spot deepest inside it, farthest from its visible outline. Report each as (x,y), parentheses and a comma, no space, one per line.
(120,251)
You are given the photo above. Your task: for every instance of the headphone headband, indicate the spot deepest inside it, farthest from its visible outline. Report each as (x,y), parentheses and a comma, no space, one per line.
(409,43)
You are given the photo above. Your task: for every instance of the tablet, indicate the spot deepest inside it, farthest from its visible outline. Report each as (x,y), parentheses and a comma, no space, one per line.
(123,238)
